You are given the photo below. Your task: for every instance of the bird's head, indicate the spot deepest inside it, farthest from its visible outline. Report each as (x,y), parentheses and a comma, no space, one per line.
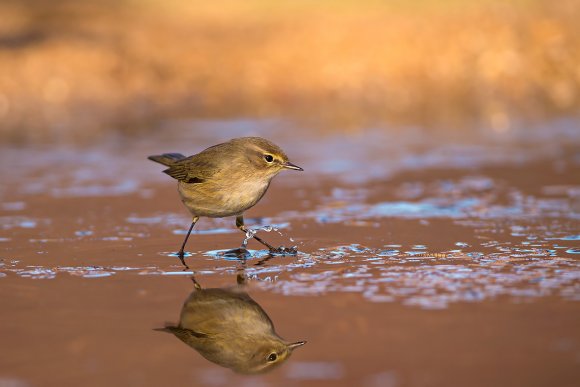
(266,157)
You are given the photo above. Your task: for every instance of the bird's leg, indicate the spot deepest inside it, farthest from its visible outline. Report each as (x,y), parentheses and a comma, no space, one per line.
(196,285)
(264,260)
(240,225)
(242,278)
(181,253)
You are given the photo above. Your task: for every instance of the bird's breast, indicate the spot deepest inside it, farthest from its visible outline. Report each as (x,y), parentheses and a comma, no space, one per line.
(246,194)
(219,200)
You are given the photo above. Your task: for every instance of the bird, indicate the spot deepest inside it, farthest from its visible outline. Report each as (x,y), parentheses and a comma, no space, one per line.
(225,179)
(227,327)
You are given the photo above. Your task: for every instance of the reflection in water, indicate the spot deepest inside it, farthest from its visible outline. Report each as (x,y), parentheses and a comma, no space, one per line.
(227,327)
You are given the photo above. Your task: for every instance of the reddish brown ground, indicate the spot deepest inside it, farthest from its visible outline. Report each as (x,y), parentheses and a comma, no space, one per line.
(86,279)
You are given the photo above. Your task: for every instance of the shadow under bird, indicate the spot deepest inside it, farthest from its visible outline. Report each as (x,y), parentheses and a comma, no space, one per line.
(227,327)
(226,179)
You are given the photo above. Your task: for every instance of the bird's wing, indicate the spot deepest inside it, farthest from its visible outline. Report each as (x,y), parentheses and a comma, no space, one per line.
(193,169)
(202,166)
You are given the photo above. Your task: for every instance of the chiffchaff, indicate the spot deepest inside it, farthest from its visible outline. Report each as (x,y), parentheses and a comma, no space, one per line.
(229,328)
(225,179)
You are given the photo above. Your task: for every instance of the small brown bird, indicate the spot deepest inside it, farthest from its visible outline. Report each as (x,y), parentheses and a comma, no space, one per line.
(225,179)
(229,328)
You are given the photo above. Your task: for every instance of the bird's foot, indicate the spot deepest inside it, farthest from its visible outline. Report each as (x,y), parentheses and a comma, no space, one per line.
(240,253)
(181,256)
(183,263)
(283,250)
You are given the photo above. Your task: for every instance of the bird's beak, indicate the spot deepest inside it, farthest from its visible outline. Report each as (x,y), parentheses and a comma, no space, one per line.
(289,165)
(297,344)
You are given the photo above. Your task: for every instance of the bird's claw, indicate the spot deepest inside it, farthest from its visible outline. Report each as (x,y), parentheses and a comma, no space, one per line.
(241,253)
(282,250)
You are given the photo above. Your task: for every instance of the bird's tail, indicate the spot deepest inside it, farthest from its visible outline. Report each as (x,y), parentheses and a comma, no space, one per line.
(183,334)
(167,158)
(168,329)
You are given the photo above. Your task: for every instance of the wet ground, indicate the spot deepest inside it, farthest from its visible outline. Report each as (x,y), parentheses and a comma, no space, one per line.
(425,259)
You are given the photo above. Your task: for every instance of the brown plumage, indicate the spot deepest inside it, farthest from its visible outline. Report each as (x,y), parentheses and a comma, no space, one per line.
(225,179)
(229,328)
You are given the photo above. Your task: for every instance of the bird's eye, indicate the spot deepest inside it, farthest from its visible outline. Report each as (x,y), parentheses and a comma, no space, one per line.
(272,357)
(268,158)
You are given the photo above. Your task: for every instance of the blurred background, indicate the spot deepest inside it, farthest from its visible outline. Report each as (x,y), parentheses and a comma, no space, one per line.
(73,70)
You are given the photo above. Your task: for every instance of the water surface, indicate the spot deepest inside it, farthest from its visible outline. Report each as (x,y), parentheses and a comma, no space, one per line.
(423,260)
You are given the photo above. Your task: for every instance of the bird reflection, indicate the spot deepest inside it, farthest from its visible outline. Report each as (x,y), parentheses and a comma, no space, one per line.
(229,328)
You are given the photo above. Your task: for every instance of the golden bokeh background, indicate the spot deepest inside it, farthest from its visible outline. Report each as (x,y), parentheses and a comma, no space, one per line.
(73,70)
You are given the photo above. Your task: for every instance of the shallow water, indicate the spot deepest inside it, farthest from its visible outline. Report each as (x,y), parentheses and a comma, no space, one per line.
(423,260)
